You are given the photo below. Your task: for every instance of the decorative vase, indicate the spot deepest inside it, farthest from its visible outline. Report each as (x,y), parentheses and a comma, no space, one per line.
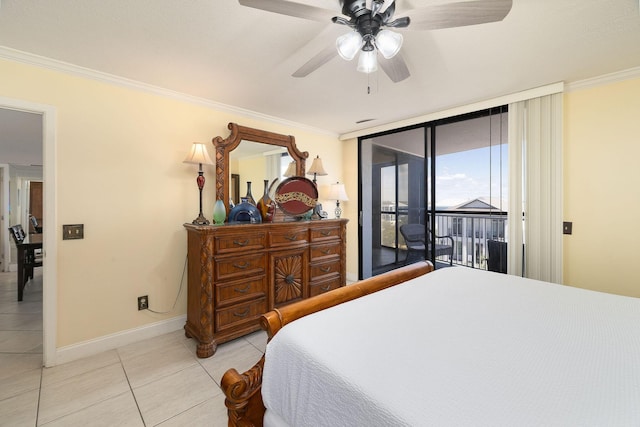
(249,196)
(219,212)
(264,203)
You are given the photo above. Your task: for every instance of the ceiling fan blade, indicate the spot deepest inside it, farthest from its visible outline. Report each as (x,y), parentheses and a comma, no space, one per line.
(395,68)
(458,14)
(321,58)
(289,8)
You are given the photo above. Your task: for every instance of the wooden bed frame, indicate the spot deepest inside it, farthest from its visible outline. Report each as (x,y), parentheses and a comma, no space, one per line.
(243,391)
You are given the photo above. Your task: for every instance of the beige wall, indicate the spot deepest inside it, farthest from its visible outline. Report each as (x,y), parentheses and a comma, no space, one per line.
(350,208)
(601,195)
(120,173)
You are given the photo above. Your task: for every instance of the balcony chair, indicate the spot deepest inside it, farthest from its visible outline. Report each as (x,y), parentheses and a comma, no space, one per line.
(31,260)
(417,244)
(497,259)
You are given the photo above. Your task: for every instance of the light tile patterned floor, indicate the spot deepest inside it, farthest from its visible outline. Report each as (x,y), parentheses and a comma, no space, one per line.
(157,382)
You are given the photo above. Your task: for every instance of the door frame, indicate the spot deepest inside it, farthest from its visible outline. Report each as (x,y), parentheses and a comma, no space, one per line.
(50,274)
(4,217)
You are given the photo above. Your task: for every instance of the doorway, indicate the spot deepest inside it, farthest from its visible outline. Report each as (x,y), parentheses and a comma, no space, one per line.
(46,115)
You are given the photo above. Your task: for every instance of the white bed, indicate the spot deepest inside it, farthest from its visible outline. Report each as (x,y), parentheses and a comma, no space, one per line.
(460,347)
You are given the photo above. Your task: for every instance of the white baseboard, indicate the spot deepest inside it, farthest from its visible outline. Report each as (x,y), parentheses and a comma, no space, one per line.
(109,342)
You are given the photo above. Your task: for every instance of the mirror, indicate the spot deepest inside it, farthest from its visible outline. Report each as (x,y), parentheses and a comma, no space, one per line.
(254,162)
(260,143)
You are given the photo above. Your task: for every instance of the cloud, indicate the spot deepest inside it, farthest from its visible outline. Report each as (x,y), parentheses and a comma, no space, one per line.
(455,176)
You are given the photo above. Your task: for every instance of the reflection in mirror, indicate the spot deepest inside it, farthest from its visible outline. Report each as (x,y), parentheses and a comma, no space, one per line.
(255,162)
(272,142)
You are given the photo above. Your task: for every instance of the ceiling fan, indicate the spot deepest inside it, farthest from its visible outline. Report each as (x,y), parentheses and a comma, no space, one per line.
(369,21)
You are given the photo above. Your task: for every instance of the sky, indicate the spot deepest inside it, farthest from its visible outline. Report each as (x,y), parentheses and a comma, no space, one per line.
(467,175)
(463,176)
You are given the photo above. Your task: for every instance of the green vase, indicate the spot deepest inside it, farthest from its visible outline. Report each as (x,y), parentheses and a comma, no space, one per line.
(219,212)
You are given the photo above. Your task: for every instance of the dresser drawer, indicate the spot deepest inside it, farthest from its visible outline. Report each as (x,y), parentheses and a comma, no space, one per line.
(240,266)
(240,314)
(240,243)
(232,292)
(321,234)
(325,269)
(289,237)
(323,286)
(326,251)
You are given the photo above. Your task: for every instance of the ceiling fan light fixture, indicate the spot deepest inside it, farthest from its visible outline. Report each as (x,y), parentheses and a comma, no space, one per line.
(368,61)
(348,45)
(388,43)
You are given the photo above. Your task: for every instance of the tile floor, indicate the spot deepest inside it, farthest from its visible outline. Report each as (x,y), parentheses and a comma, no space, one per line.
(156,382)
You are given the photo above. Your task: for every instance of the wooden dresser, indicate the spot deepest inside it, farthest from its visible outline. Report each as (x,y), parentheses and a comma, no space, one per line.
(238,272)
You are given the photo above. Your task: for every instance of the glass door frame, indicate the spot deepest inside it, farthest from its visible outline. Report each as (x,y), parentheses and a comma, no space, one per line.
(426,167)
(430,160)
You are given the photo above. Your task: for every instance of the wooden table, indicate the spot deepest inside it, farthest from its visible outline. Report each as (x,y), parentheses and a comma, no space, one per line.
(26,250)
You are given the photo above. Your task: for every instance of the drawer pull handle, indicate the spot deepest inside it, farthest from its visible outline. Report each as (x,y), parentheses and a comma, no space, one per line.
(241,266)
(241,313)
(243,290)
(326,251)
(325,233)
(243,243)
(325,269)
(291,237)
(325,288)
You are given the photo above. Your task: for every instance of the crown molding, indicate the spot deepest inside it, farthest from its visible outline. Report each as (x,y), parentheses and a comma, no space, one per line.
(76,70)
(618,76)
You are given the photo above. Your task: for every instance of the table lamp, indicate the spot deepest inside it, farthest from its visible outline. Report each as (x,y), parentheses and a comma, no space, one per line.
(200,156)
(316,168)
(337,193)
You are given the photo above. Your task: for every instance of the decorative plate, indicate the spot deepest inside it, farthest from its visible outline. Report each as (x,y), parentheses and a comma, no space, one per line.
(245,212)
(296,195)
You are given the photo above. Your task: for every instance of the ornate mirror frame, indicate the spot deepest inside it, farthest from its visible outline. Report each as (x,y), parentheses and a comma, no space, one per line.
(239,133)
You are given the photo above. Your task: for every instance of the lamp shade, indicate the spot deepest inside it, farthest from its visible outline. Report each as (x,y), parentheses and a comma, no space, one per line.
(388,43)
(337,192)
(291,170)
(316,167)
(348,45)
(367,63)
(198,155)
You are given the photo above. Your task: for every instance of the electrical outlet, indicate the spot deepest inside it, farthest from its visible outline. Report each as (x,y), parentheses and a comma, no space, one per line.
(143,302)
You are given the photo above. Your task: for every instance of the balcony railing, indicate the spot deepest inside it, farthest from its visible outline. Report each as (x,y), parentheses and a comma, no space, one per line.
(469,230)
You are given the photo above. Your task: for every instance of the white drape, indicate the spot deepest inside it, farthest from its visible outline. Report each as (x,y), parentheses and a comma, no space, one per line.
(535,188)
(274,165)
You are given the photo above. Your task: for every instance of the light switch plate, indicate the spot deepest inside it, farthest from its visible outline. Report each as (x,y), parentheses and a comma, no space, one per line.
(567,227)
(72,231)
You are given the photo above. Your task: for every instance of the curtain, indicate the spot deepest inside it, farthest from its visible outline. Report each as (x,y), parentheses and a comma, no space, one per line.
(535,188)
(274,165)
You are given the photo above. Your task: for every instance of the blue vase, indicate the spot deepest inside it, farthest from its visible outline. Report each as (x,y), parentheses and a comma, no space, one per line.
(219,212)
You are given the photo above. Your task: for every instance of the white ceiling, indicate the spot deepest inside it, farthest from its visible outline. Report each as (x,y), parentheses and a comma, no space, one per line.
(243,57)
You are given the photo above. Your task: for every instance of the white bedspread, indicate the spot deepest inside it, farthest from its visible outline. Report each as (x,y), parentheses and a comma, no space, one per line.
(461,347)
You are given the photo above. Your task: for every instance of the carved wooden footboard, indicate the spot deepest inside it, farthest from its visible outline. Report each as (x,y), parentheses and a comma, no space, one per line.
(243,391)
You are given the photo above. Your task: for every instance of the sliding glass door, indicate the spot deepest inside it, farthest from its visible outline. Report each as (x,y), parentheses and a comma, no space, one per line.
(461,164)
(393,192)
